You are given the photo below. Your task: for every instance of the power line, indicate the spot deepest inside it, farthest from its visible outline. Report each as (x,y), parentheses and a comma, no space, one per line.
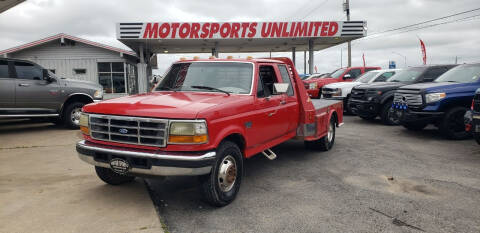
(314,9)
(424,22)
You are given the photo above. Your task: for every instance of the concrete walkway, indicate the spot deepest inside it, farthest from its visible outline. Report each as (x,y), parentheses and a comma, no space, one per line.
(44,187)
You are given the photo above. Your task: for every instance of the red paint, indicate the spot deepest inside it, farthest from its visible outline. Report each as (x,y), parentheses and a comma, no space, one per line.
(226,115)
(315,93)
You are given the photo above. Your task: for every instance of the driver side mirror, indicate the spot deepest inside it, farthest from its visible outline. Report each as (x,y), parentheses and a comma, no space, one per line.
(280,88)
(347,76)
(46,76)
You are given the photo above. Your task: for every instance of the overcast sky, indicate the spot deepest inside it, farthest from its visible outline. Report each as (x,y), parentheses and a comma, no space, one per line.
(95,20)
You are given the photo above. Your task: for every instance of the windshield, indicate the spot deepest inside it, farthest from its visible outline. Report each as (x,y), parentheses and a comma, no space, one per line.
(407,76)
(337,73)
(366,77)
(232,77)
(461,74)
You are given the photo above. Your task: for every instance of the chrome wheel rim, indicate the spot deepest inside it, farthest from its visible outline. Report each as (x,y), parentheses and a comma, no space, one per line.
(330,132)
(227,173)
(75,115)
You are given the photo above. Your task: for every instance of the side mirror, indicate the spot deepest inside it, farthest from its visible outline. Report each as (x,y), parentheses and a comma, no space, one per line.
(46,75)
(347,76)
(280,88)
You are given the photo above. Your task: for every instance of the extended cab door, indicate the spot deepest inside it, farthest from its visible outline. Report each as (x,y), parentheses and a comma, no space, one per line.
(290,104)
(7,88)
(33,93)
(269,121)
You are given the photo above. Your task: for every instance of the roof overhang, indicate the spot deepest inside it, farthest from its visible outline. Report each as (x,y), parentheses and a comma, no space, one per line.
(7,4)
(237,37)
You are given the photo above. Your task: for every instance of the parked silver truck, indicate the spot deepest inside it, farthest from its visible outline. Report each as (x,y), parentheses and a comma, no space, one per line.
(27,90)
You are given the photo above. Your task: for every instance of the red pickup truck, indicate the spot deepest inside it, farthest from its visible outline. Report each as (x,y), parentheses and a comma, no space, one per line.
(203,119)
(314,85)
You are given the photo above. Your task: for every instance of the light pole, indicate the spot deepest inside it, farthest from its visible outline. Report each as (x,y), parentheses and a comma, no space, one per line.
(346,8)
(404,57)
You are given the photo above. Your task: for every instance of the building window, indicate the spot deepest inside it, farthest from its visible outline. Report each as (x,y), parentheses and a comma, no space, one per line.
(79,71)
(111,76)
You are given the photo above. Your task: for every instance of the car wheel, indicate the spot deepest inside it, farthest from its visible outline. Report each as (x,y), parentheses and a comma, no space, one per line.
(326,142)
(221,186)
(387,115)
(110,177)
(414,126)
(71,115)
(452,125)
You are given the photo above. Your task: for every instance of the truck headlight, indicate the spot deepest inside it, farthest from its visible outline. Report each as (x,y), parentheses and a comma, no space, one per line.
(337,92)
(98,94)
(434,97)
(312,86)
(185,132)
(83,123)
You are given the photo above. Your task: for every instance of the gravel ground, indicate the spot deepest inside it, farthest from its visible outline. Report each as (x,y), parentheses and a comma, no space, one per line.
(435,187)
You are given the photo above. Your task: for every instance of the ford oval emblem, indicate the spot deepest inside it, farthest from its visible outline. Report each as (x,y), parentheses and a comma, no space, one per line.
(123,131)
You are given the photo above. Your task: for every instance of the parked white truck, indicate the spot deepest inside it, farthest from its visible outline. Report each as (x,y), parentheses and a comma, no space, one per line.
(341,90)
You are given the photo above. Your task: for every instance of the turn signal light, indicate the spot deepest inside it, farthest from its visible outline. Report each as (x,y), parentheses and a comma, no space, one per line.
(230,57)
(187,139)
(85,130)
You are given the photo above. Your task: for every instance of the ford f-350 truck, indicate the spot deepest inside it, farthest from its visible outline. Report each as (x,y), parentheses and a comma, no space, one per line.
(442,102)
(203,119)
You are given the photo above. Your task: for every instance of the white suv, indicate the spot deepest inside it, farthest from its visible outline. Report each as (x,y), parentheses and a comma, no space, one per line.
(341,90)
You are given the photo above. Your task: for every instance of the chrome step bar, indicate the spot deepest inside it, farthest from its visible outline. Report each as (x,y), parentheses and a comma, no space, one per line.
(269,154)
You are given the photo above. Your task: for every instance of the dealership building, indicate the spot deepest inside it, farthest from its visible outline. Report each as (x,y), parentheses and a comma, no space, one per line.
(76,58)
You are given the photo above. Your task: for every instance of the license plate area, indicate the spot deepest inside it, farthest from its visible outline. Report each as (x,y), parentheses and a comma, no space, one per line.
(120,166)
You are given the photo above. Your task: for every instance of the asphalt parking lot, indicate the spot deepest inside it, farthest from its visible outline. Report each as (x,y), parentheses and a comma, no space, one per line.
(435,187)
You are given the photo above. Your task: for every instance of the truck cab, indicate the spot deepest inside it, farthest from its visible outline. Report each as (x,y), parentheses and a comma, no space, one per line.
(371,100)
(203,119)
(314,85)
(442,102)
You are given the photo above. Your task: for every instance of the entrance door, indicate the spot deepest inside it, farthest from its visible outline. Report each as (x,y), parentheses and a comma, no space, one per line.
(33,93)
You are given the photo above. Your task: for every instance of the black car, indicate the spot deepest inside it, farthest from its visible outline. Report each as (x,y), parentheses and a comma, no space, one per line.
(371,100)
(472,118)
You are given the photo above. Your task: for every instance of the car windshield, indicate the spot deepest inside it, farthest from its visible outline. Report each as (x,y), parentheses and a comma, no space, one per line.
(231,77)
(337,73)
(461,74)
(407,76)
(366,77)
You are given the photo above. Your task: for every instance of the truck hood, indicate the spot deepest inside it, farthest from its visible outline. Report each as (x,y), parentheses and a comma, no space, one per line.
(322,81)
(447,87)
(343,85)
(78,83)
(381,86)
(177,105)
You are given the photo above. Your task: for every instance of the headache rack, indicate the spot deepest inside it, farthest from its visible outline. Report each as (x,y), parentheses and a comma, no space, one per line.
(130,130)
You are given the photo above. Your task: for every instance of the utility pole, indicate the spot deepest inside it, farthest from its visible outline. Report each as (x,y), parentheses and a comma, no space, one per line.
(456,60)
(346,8)
(404,57)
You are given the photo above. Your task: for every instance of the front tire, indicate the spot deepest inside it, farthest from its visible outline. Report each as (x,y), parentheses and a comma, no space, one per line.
(221,186)
(477,137)
(346,104)
(110,177)
(387,115)
(326,142)
(71,115)
(452,125)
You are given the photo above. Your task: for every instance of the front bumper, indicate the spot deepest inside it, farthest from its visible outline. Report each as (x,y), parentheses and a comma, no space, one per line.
(364,108)
(409,116)
(151,163)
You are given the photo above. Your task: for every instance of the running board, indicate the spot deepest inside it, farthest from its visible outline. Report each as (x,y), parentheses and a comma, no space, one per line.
(270,155)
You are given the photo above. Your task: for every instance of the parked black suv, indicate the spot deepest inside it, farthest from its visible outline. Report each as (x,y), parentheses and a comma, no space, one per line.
(371,100)
(474,116)
(27,90)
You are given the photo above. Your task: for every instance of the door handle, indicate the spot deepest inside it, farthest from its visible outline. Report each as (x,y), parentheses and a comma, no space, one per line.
(272,113)
(23,85)
(283,102)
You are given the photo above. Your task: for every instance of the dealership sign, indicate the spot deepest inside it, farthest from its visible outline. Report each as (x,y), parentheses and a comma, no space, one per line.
(240,30)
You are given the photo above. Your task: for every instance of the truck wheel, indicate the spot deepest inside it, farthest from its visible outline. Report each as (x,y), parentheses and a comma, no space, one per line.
(325,143)
(221,186)
(477,137)
(414,126)
(387,115)
(71,115)
(110,177)
(452,126)
(346,105)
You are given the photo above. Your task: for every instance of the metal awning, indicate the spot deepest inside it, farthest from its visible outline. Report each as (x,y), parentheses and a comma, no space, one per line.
(233,37)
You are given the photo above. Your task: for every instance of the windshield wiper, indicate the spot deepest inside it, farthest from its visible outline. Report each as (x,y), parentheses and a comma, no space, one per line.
(395,81)
(211,89)
(167,88)
(451,81)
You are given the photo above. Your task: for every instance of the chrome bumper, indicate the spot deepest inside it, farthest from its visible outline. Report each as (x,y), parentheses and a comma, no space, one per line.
(179,164)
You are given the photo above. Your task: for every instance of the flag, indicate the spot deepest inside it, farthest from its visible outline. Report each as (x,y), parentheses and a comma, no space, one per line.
(424,51)
(363,57)
(316,71)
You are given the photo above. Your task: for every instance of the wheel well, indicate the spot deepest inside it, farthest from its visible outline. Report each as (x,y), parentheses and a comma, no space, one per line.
(335,118)
(77,98)
(237,139)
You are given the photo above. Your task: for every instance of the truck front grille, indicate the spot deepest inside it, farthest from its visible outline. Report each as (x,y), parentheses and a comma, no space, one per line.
(476,103)
(131,130)
(358,94)
(412,99)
